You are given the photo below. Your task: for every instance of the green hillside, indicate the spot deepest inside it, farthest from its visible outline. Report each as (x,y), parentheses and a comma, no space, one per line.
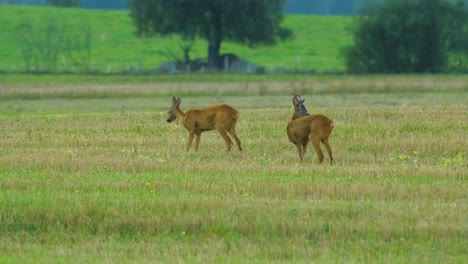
(317,43)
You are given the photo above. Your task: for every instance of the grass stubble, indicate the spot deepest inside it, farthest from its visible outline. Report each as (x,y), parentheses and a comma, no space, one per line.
(116,185)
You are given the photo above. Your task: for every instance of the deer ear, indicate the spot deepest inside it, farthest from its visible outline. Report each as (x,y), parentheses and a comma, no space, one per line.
(295,100)
(174,100)
(178,101)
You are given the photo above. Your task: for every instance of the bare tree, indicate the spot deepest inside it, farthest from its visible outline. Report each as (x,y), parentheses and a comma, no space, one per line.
(43,47)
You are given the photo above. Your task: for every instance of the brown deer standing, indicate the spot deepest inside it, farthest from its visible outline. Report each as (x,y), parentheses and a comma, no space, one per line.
(305,127)
(221,117)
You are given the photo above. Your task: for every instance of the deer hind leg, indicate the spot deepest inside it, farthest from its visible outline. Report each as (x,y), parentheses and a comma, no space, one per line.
(190,139)
(329,151)
(226,138)
(236,138)
(197,140)
(318,150)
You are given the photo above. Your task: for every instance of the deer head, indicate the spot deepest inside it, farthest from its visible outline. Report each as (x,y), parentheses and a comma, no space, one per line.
(174,109)
(299,107)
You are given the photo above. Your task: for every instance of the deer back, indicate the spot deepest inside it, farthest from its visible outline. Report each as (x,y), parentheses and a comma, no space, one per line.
(207,118)
(301,128)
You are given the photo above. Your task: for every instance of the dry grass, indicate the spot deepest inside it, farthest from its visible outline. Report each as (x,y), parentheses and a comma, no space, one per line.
(118,186)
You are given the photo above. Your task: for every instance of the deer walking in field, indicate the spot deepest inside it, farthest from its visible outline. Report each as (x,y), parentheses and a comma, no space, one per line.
(221,117)
(305,127)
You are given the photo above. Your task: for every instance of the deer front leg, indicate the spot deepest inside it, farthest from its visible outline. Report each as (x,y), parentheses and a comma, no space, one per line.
(304,147)
(300,150)
(197,140)
(190,139)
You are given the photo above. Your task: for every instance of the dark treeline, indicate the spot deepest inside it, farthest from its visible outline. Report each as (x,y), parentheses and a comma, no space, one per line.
(92,4)
(325,7)
(316,7)
(104,4)
(330,7)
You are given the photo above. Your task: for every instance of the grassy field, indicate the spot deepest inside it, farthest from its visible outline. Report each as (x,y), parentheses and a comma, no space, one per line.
(92,173)
(317,43)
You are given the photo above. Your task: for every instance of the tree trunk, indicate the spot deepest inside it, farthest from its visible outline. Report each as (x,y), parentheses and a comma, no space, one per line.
(215,38)
(213,55)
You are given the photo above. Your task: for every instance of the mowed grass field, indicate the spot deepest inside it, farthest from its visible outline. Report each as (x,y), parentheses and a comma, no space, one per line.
(316,45)
(93,173)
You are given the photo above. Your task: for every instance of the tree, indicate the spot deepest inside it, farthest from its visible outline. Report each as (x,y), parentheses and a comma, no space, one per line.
(249,22)
(457,30)
(43,47)
(399,36)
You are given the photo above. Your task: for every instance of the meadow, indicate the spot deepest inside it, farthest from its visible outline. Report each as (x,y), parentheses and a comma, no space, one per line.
(91,172)
(317,41)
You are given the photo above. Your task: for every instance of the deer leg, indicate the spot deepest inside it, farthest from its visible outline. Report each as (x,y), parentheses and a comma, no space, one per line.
(197,140)
(318,150)
(329,151)
(304,147)
(300,150)
(226,139)
(233,134)
(190,139)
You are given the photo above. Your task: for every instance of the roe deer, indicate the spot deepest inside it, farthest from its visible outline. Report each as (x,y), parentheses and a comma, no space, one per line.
(305,127)
(221,117)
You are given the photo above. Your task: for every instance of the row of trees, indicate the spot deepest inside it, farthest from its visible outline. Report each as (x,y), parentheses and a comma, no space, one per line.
(64,3)
(329,7)
(325,7)
(390,36)
(316,7)
(104,4)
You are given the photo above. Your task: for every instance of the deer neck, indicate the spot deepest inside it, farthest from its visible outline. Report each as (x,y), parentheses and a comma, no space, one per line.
(297,115)
(180,114)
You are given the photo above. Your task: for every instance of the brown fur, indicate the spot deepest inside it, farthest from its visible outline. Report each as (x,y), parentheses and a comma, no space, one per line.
(221,117)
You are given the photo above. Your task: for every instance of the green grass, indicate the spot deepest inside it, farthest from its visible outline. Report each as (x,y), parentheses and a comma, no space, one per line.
(93,173)
(317,42)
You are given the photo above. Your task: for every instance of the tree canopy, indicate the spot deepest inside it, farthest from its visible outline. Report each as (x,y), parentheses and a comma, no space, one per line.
(408,36)
(249,22)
